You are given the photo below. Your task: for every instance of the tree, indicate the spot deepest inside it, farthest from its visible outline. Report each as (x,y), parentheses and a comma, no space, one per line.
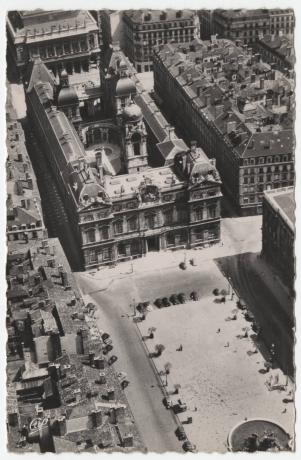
(151,331)
(223,292)
(159,349)
(215,291)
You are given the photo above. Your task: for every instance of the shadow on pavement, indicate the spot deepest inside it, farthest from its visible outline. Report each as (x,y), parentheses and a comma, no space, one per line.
(276,320)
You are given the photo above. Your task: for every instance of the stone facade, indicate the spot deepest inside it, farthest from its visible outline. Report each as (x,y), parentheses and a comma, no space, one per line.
(143,29)
(62,39)
(118,206)
(236,107)
(278,232)
(246,24)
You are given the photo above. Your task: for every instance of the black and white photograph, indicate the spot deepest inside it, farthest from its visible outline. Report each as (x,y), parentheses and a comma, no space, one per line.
(149,257)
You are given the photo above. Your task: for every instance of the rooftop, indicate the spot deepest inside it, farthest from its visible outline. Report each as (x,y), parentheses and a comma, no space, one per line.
(283,201)
(150,16)
(38,25)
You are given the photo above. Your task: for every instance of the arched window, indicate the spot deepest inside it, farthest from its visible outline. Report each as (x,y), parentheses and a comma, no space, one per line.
(136,141)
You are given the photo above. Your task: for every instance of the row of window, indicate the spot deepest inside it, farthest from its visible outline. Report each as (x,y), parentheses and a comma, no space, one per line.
(268,159)
(162,25)
(60,49)
(151,221)
(267,178)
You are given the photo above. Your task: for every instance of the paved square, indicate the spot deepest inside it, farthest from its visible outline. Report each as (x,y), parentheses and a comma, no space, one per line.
(217,375)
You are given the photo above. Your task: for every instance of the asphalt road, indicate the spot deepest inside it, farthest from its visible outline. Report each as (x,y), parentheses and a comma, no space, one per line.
(155,423)
(276,321)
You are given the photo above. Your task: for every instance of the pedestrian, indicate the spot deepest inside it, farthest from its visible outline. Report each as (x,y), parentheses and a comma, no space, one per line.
(218,331)
(195,409)
(227,345)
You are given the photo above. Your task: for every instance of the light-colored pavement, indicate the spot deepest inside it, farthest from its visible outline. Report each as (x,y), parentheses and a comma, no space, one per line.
(220,379)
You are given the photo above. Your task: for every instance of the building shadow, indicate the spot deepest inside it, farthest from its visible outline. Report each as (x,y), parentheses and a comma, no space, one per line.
(255,290)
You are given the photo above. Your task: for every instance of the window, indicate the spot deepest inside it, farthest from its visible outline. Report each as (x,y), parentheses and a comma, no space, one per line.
(136,141)
(121,249)
(90,257)
(135,247)
(105,233)
(182,236)
(119,226)
(106,254)
(199,235)
(168,217)
(90,236)
(198,213)
(132,224)
(212,212)
(150,220)
(170,239)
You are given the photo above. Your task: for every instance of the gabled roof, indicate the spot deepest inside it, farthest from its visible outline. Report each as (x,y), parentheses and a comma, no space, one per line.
(170,148)
(37,71)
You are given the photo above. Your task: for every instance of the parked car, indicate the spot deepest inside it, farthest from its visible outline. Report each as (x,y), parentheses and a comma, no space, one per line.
(112,360)
(107,349)
(181,297)
(189,447)
(174,299)
(249,316)
(194,295)
(241,304)
(180,433)
(166,302)
(158,303)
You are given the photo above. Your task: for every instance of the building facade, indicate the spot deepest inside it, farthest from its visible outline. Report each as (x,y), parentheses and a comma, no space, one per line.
(277,51)
(278,232)
(246,24)
(119,214)
(24,211)
(62,39)
(238,109)
(154,211)
(143,29)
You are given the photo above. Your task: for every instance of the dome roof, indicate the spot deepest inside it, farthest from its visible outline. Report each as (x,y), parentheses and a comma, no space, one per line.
(132,112)
(125,86)
(67,96)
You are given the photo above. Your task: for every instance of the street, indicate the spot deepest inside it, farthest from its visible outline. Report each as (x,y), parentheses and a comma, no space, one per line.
(155,423)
